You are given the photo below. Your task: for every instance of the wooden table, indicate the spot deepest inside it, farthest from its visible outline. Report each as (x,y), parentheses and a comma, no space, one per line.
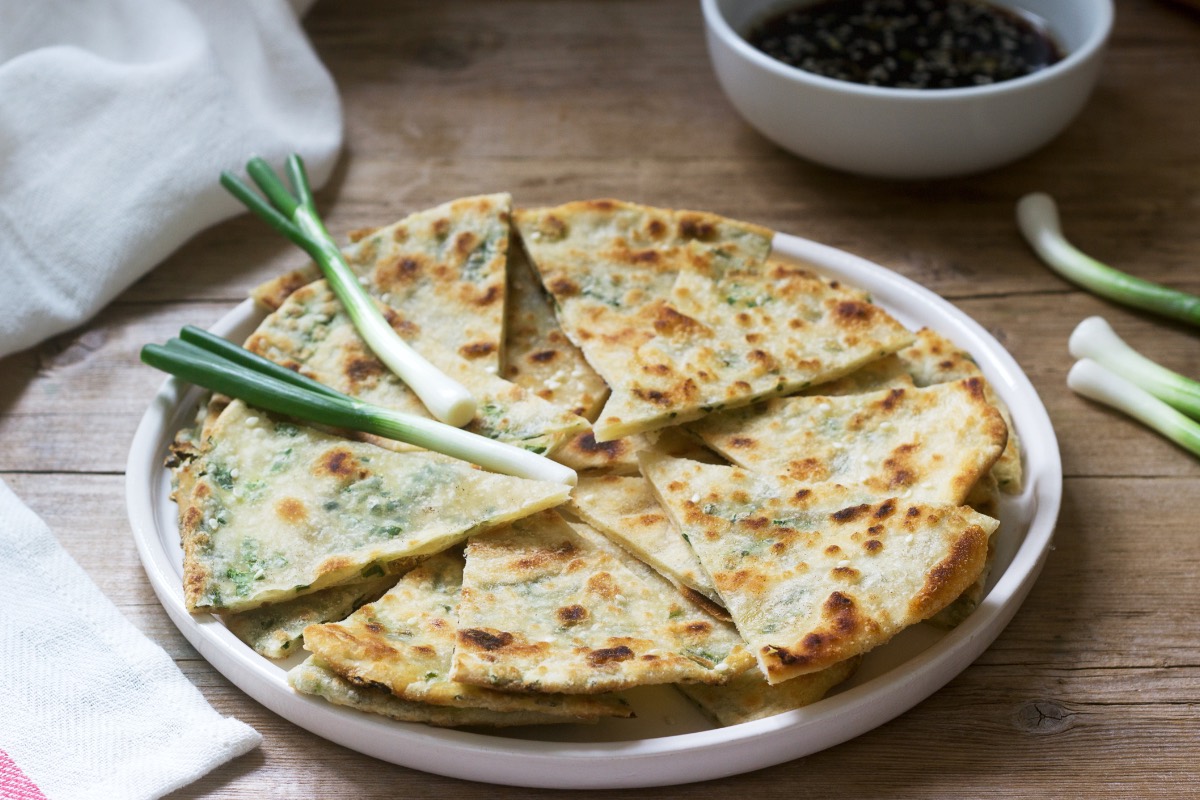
(1092,690)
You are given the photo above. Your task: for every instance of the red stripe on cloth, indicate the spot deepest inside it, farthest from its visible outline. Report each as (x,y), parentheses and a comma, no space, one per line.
(14,785)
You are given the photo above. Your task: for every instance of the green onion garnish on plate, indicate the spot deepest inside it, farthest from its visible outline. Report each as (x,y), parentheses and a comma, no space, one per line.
(207,360)
(294,214)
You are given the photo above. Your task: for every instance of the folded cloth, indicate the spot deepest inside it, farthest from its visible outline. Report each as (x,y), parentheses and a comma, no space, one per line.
(118,117)
(89,707)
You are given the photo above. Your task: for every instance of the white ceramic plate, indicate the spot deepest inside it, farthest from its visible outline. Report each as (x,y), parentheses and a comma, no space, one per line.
(669,742)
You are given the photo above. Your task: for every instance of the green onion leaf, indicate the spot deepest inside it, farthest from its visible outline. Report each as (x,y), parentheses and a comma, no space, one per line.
(1094,338)
(296,218)
(1093,381)
(243,376)
(1037,217)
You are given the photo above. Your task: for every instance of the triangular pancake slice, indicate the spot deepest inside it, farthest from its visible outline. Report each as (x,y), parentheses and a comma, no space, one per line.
(931,444)
(934,359)
(275,630)
(313,678)
(550,608)
(730,337)
(538,356)
(625,510)
(813,576)
(443,267)
(279,509)
(404,641)
(609,266)
(312,334)
(749,697)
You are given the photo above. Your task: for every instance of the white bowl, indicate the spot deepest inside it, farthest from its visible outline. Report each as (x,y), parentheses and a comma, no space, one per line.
(908,133)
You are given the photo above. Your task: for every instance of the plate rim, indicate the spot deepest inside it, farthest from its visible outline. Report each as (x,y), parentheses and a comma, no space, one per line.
(665,760)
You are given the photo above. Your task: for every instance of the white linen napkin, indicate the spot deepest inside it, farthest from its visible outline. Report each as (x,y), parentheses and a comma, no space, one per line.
(89,707)
(117,118)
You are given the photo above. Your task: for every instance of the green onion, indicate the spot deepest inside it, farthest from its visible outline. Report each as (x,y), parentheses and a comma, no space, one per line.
(295,216)
(1093,381)
(1094,338)
(206,360)
(1037,217)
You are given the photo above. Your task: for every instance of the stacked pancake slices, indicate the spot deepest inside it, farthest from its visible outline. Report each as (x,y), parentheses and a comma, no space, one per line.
(776,476)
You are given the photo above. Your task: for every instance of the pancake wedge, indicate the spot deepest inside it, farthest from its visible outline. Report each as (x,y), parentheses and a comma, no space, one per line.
(730,336)
(813,576)
(609,266)
(404,641)
(443,268)
(681,313)
(888,372)
(547,607)
(749,697)
(932,444)
(312,334)
(313,678)
(625,510)
(275,630)
(932,359)
(279,510)
(538,356)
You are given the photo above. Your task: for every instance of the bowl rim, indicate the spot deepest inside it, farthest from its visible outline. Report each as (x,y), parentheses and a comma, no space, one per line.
(717,24)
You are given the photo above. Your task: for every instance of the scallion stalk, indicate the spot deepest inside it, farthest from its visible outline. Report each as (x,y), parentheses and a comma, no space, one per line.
(1038,219)
(1093,381)
(1094,338)
(294,214)
(209,361)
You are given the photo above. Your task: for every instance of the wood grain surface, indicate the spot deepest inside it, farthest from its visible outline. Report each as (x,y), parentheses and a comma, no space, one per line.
(1093,690)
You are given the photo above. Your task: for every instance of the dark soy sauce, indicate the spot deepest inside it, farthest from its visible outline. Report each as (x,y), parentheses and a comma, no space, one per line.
(908,44)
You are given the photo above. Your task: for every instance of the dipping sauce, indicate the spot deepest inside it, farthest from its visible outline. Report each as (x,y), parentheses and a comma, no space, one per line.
(907,44)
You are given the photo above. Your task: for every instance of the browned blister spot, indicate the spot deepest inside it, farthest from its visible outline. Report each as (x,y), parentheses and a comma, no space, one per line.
(563,287)
(610,655)
(339,462)
(850,514)
(846,573)
(490,295)
(604,585)
(480,639)
(853,313)
(572,614)
(464,243)
(811,469)
(885,510)
(894,398)
(696,227)
(360,369)
(872,545)
(669,322)
(474,350)
(612,450)
(656,228)
(291,510)
(543,356)
(543,556)
(404,269)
